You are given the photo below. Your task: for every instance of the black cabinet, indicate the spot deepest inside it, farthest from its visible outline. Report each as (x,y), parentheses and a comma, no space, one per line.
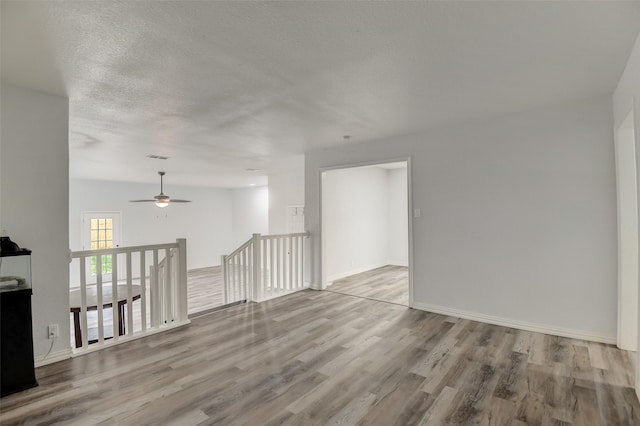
(16,342)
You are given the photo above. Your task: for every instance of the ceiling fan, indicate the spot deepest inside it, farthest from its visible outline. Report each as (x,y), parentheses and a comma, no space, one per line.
(161,199)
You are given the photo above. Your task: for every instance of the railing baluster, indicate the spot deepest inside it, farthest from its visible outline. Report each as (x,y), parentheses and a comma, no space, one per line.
(229,267)
(282,279)
(232,280)
(234,261)
(243,271)
(290,260)
(223,274)
(302,242)
(282,264)
(167,287)
(250,283)
(272,274)
(294,256)
(83,303)
(175,290)
(299,260)
(255,267)
(155,292)
(242,282)
(278,265)
(234,277)
(161,295)
(128,323)
(240,286)
(99,299)
(248,254)
(263,267)
(143,290)
(114,296)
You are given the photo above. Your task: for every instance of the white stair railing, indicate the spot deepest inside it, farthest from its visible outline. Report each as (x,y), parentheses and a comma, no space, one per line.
(264,267)
(138,304)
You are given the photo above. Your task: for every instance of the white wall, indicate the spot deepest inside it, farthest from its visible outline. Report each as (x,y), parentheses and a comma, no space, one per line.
(250,207)
(518,216)
(354,205)
(626,96)
(205,222)
(286,188)
(212,223)
(34,177)
(397,219)
(363,230)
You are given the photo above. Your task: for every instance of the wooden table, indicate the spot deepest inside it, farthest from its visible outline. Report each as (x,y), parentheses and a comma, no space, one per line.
(75,305)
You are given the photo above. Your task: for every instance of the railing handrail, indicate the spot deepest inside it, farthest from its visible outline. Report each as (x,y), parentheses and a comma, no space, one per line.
(297,234)
(266,237)
(242,247)
(118,250)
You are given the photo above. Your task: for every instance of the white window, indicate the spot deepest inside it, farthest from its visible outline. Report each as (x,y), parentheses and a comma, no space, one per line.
(100,230)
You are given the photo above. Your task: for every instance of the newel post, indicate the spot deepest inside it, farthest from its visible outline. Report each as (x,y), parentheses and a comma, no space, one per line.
(182,278)
(256,293)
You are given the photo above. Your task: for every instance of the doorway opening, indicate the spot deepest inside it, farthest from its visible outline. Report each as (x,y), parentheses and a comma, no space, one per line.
(365,231)
(626,176)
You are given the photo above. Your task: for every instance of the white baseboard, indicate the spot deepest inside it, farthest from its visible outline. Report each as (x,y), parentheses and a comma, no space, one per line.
(520,325)
(61,355)
(398,263)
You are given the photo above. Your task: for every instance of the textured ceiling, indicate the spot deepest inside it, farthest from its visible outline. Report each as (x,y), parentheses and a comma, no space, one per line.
(221,87)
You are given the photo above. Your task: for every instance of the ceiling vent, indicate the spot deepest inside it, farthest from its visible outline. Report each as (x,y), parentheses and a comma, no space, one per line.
(157,157)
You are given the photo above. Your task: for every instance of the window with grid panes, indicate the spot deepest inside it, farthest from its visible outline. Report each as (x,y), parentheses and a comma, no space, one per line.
(101,230)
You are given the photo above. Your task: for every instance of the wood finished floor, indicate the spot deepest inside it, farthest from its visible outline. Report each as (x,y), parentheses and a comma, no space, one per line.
(204,289)
(325,358)
(389,284)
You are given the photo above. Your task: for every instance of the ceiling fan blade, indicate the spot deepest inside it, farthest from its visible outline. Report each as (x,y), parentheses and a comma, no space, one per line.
(161,200)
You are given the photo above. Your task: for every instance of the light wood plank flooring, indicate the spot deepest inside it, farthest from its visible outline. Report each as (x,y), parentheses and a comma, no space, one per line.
(204,289)
(388,284)
(325,358)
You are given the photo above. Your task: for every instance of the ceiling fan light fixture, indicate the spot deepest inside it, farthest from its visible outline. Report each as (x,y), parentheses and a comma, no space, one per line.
(161,200)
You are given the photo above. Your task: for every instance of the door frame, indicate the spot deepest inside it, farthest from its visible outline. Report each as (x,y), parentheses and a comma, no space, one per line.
(628,262)
(323,170)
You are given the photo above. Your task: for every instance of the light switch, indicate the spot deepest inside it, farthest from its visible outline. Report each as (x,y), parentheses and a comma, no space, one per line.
(416,212)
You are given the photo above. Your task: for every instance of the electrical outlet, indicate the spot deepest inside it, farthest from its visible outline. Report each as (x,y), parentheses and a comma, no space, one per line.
(52,331)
